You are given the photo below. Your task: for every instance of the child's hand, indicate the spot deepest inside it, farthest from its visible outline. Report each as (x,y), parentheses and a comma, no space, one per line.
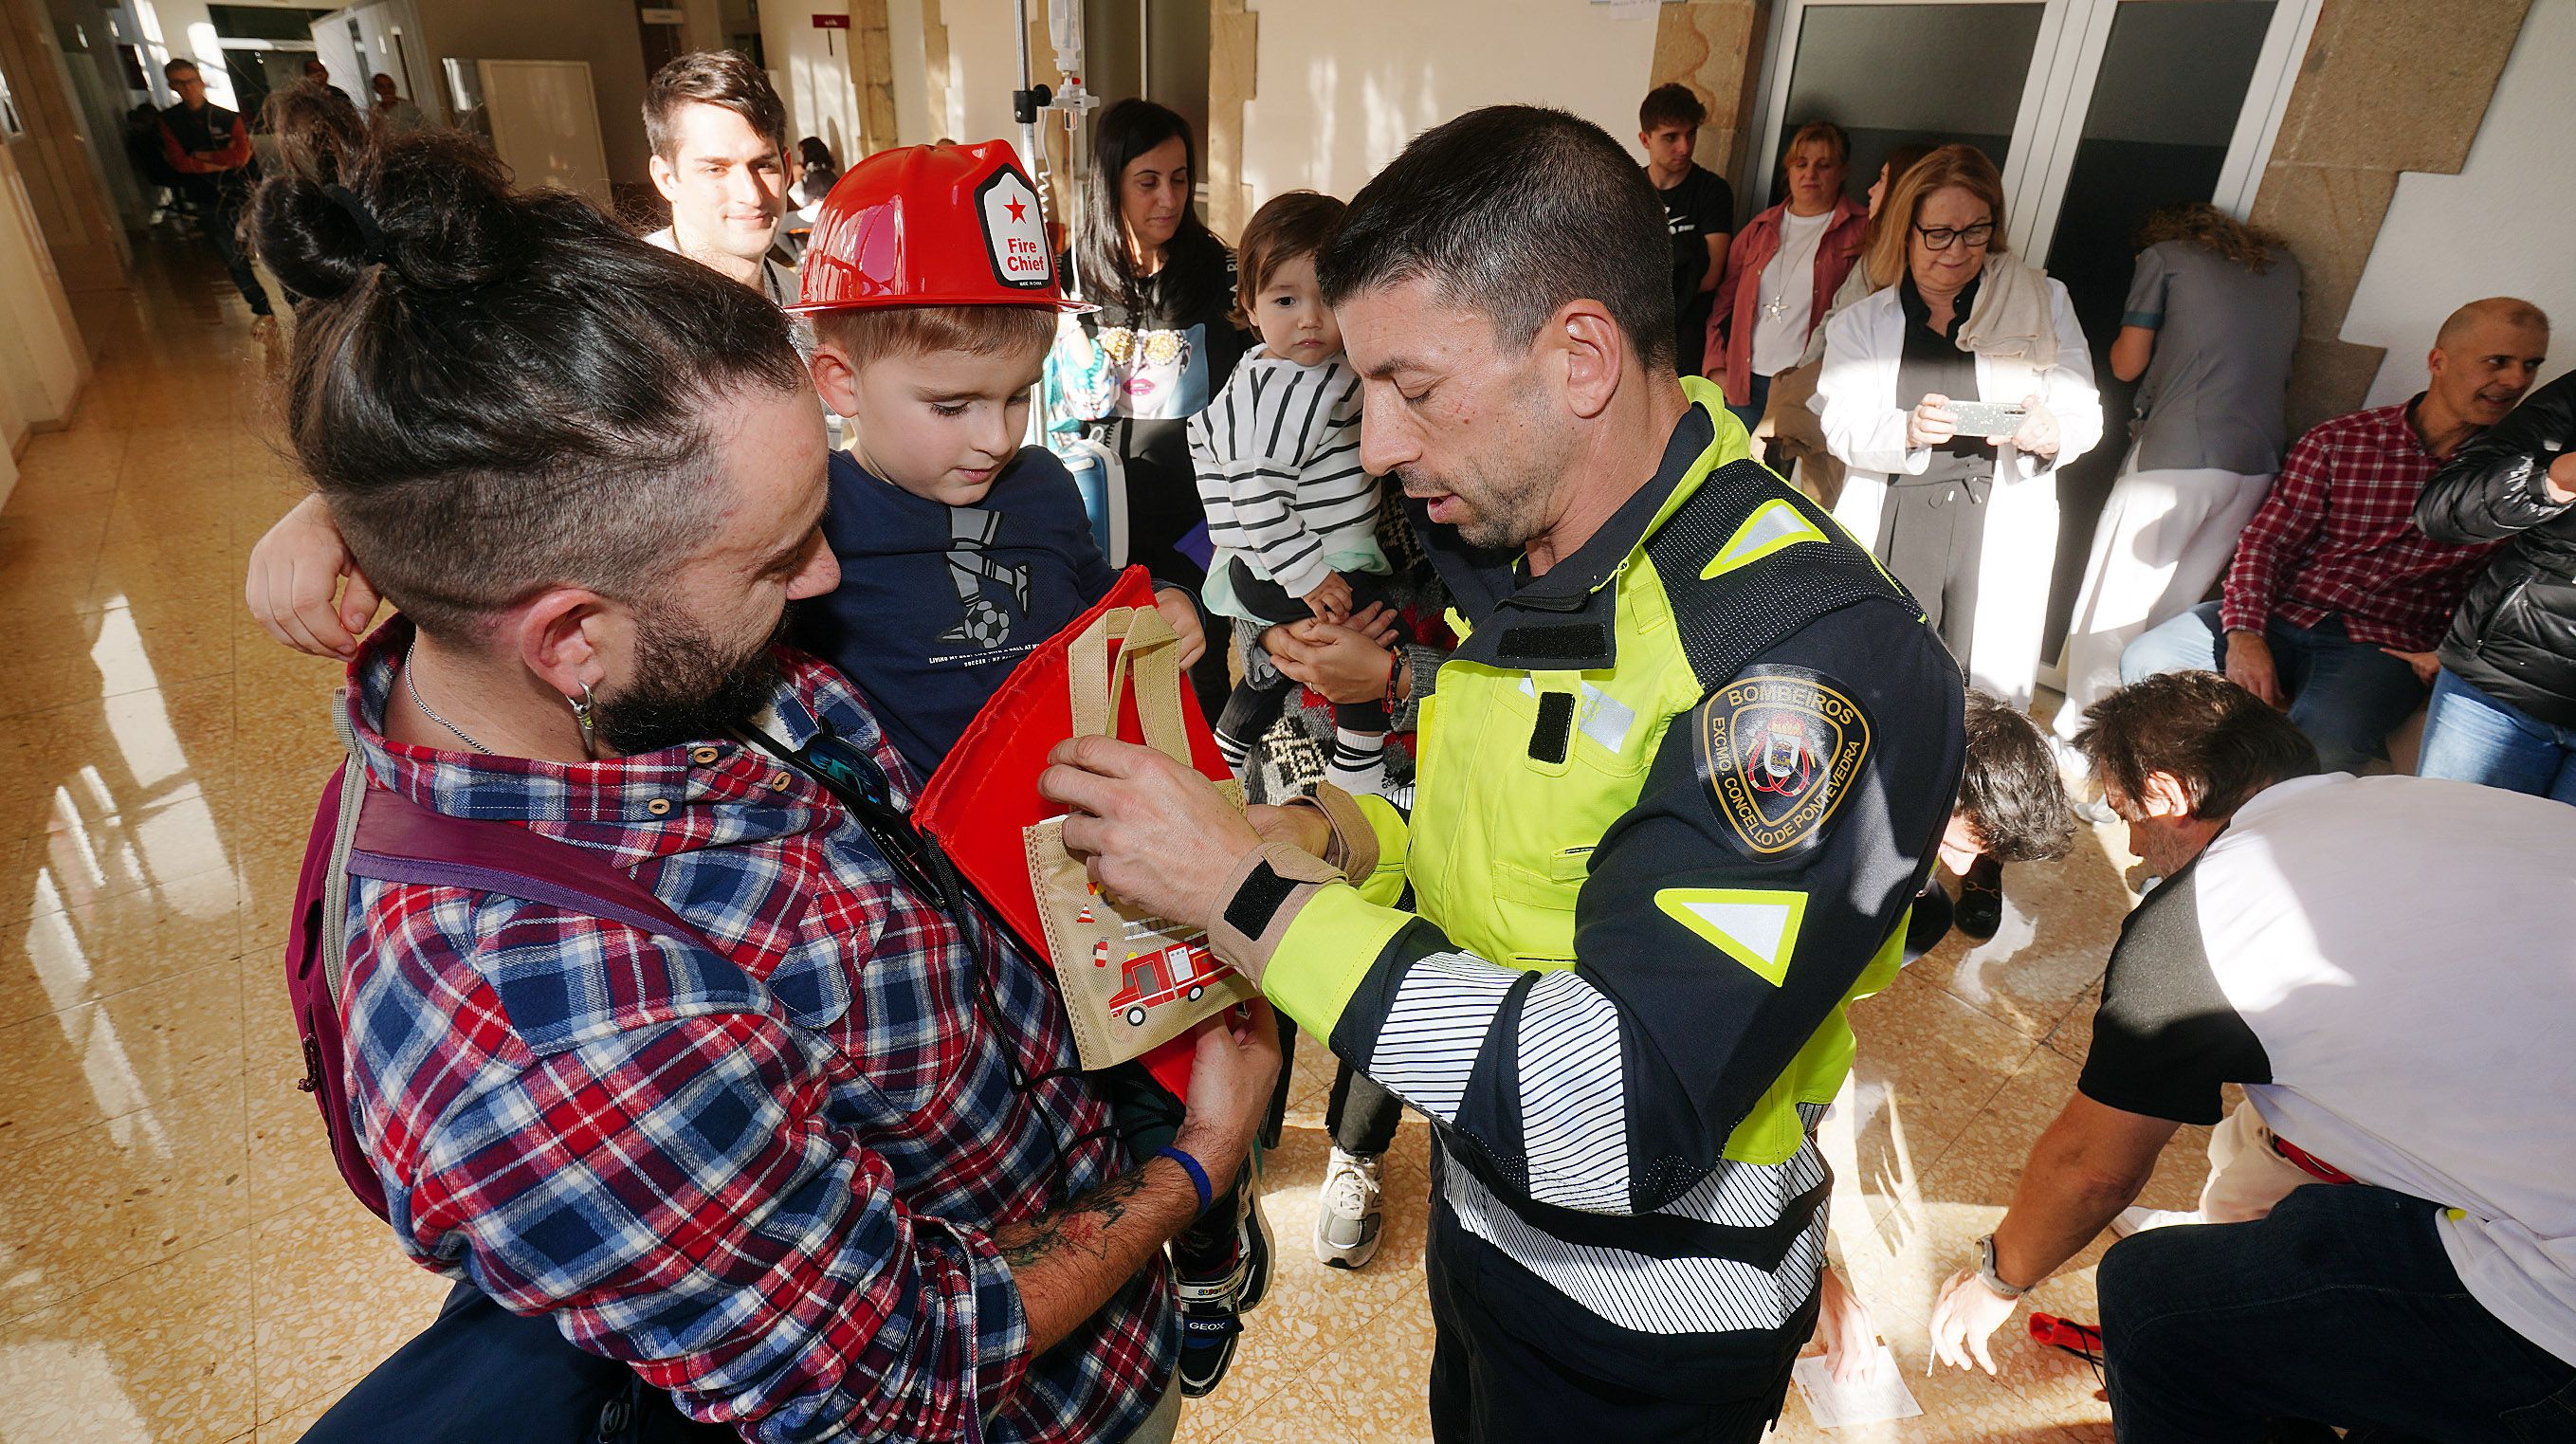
(1183,614)
(1330,601)
(293,572)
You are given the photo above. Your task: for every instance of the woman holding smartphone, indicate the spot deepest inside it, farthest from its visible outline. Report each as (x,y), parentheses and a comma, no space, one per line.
(1952,397)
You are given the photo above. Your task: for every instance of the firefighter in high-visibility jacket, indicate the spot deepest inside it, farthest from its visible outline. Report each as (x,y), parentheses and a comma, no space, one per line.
(1673,799)
(1675,793)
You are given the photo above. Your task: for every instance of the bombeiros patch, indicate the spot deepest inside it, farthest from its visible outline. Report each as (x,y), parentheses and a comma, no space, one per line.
(1014,234)
(1779,749)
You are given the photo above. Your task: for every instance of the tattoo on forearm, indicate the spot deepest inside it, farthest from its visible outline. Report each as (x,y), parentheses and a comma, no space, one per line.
(1082,1225)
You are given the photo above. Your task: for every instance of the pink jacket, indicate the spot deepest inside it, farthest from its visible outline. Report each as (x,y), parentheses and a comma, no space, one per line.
(1754,246)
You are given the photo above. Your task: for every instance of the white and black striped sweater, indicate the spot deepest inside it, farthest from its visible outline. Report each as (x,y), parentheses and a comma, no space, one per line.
(1278,461)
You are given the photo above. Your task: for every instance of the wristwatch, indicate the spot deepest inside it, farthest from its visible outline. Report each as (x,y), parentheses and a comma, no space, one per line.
(1986,1270)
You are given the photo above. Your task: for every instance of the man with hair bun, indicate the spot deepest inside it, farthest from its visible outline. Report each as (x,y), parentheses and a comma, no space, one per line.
(812,1156)
(718,132)
(1678,786)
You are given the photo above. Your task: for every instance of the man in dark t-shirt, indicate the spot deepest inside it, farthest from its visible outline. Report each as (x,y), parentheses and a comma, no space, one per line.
(1699,210)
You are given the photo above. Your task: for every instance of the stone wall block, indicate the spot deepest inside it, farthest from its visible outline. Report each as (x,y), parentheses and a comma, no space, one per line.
(1714,47)
(2331,215)
(2329,378)
(1234,35)
(2398,84)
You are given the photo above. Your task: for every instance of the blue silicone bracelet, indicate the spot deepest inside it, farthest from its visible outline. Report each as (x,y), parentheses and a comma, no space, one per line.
(1190,1166)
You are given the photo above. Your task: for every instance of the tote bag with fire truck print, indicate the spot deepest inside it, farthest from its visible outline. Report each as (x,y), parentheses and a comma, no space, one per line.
(1132,982)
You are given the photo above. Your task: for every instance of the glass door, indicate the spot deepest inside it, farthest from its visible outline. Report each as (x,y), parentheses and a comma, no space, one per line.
(2167,100)
(1890,74)
(2095,111)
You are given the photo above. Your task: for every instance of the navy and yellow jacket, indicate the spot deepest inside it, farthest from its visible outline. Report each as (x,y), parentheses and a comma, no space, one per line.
(1674,798)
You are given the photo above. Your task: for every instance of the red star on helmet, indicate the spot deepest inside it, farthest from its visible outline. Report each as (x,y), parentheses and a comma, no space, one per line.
(1019,209)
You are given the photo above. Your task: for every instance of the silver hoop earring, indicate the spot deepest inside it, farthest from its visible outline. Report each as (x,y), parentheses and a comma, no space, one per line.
(581,710)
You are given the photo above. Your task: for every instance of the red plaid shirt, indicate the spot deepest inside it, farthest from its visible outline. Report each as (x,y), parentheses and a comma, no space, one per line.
(764,1173)
(2336,538)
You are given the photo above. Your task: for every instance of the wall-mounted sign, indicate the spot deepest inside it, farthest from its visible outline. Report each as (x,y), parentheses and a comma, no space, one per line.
(661,15)
(831,22)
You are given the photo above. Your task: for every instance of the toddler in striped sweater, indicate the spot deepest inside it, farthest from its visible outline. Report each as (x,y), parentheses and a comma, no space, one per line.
(1291,512)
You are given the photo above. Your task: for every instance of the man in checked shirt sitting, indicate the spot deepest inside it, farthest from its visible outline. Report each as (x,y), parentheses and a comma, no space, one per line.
(2336,602)
(825,1169)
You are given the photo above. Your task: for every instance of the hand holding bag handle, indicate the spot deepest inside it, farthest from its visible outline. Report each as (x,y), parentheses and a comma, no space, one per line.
(1126,1013)
(1149,652)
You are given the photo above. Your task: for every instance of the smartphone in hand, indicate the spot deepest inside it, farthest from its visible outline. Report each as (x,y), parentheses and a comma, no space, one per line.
(1987,418)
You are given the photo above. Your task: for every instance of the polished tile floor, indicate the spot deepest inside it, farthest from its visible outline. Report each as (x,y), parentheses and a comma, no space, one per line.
(178,1261)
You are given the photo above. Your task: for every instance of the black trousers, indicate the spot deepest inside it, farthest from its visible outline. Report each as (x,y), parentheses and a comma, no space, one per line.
(223,225)
(1489,1385)
(2341,1306)
(1249,709)
(480,1374)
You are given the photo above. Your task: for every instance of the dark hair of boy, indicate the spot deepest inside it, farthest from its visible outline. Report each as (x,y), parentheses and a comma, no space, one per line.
(1671,104)
(1193,259)
(1299,223)
(464,486)
(2221,742)
(863,334)
(1516,210)
(723,78)
(2009,790)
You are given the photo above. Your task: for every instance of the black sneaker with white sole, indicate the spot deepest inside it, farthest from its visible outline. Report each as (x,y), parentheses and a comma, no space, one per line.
(1216,1292)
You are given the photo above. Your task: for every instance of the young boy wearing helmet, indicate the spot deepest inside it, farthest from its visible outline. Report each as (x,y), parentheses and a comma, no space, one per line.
(933,297)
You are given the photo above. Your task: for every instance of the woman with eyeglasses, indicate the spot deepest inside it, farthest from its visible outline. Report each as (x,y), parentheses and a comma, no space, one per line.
(1965,517)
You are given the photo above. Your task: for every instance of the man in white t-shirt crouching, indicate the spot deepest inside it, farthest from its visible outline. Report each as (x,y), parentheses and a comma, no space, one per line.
(2388,966)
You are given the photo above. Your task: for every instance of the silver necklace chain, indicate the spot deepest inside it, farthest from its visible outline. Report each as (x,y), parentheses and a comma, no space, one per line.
(430,712)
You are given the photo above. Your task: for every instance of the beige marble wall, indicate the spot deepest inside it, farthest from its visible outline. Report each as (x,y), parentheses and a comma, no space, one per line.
(871,55)
(934,73)
(2386,86)
(1715,47)
(1234,34)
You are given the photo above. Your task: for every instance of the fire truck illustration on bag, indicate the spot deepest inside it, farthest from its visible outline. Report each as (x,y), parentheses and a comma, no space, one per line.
(1183,970)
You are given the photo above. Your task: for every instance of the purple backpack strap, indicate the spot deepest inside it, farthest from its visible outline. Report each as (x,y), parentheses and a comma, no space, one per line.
(361,830)
(398,840)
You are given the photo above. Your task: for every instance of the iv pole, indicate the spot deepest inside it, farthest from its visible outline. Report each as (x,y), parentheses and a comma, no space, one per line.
(1073,102)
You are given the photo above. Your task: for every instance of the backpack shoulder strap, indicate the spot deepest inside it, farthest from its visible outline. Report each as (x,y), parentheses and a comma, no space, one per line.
(398,840)
(335,878)
(384,835)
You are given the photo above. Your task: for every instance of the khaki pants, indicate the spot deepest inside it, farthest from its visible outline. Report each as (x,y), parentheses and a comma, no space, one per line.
(2246,1178)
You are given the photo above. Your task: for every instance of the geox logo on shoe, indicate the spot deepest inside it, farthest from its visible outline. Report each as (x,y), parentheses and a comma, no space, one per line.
(1779,747)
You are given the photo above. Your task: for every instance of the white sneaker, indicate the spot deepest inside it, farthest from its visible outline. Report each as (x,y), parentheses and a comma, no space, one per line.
(2138,1220)
(1347,1220)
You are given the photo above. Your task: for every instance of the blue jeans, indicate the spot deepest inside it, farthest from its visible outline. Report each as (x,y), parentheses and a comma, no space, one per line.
(2471,737)
(1757,395)
(2340,1308)
(2346,695)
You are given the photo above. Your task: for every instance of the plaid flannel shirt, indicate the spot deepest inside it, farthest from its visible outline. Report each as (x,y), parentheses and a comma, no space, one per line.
(765,1176)
(2336,537)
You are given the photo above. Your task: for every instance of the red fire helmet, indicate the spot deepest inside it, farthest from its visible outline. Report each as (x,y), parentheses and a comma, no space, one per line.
(931,225)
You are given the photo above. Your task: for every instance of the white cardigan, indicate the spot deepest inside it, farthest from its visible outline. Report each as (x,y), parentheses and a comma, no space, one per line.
(1865,429)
